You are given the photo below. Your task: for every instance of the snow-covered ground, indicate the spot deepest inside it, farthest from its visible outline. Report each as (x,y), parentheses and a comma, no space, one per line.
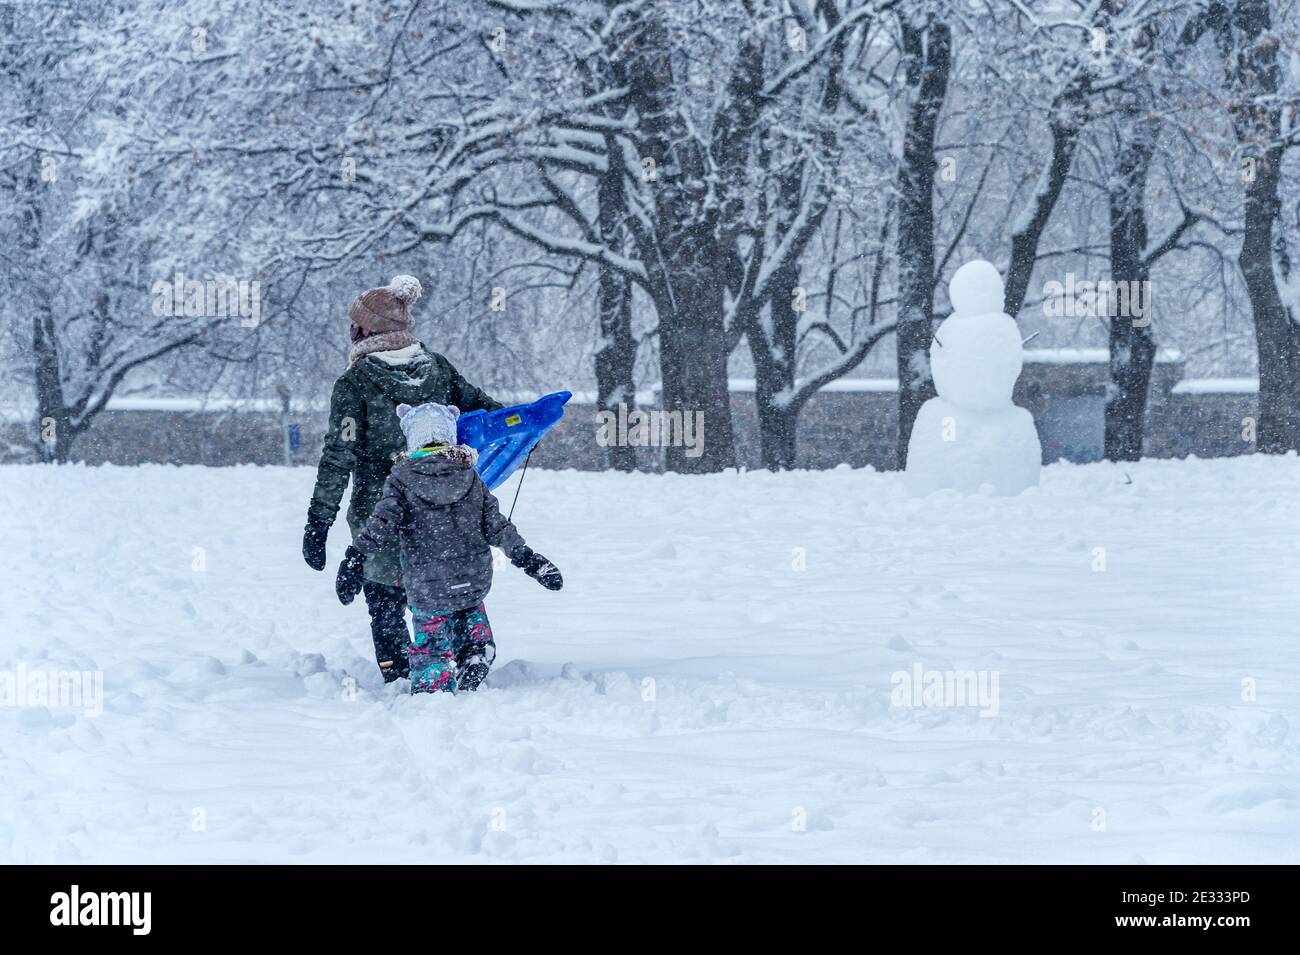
(713,684)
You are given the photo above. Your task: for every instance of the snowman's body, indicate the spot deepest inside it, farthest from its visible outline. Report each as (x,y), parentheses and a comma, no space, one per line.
(972,437)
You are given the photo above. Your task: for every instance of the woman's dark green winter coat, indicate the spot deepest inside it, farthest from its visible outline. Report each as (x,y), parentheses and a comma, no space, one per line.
(364,436)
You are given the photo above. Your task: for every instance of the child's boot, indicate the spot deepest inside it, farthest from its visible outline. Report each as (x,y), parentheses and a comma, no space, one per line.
(475,648)
(472,666)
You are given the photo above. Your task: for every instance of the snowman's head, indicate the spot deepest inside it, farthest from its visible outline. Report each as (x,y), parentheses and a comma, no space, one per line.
(976,355)
(976,289)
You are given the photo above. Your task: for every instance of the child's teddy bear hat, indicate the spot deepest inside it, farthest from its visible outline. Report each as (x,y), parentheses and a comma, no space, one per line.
(428,423)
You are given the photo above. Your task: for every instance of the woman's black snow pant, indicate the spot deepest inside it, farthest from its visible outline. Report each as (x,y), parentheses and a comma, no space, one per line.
(387,606)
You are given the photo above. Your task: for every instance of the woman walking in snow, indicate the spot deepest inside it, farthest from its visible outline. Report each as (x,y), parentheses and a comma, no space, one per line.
(387,366)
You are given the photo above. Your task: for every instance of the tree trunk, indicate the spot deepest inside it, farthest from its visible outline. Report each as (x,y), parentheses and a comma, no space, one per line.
(51,434)
(615,359)
(773,347)
(1279,410)
(778,430)
(693,357)
(773,344)
(685,259)
(616,354)
(800,207)
(1254,77)
(1132,344)
(928,51)
(54,431)
(1069,114)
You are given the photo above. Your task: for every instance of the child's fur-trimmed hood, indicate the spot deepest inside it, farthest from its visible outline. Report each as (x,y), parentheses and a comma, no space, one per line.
(440,476)
(462,454)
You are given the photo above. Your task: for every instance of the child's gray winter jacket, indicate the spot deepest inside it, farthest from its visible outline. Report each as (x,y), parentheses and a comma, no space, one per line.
(445,518)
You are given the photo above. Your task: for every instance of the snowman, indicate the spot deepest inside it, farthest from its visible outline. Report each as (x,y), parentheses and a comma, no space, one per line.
(972,437)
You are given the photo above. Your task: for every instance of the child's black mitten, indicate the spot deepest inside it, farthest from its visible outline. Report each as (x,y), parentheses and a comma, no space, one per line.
(351,575)
(537,567)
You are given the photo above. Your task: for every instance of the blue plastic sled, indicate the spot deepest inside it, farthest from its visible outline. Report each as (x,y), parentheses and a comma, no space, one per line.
(503,438)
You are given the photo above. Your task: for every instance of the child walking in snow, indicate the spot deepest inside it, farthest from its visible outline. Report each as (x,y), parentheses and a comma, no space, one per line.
(445,519)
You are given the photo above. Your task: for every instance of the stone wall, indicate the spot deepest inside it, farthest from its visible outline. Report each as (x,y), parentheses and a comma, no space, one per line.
(851,422)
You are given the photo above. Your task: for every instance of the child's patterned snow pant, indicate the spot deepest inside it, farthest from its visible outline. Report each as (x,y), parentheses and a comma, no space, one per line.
(445,641)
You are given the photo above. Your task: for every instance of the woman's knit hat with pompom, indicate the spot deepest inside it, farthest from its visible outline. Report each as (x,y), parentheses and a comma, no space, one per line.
(386,309)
